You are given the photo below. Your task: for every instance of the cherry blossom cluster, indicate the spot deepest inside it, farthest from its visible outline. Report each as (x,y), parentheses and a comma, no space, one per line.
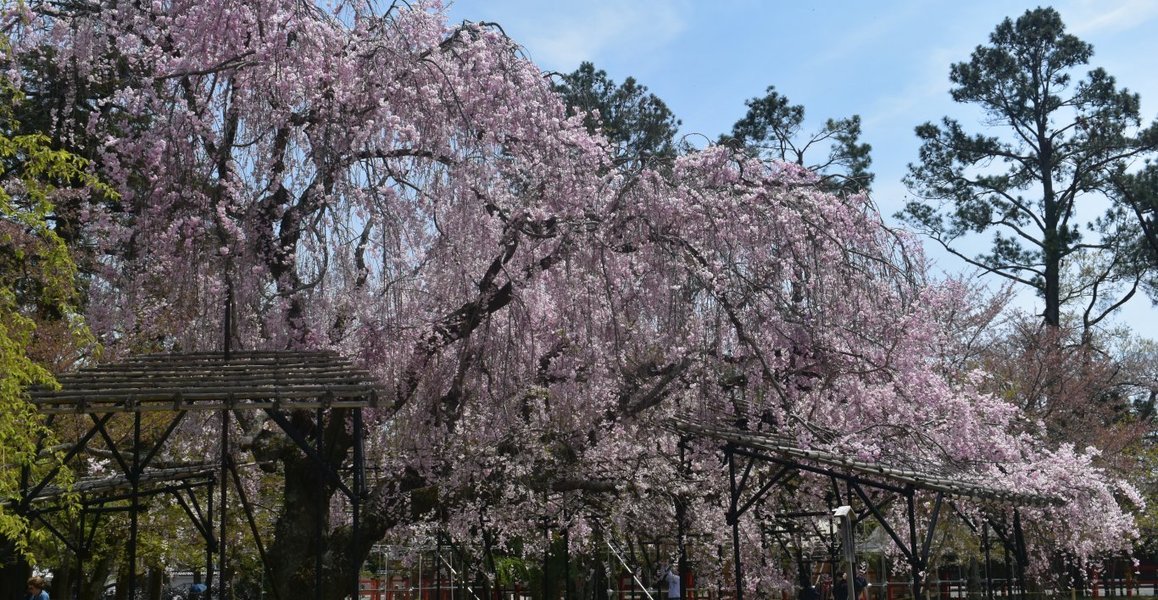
(412,194)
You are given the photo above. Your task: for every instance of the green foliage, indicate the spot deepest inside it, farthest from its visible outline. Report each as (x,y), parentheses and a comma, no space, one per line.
(772,128)
(1137,193)
(1148,483)
(1057,142)
(37,286)
(638,124)
(511,571)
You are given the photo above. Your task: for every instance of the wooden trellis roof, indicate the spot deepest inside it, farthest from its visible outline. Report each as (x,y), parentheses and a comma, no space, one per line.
(147,481)
(786,450)
(208,381)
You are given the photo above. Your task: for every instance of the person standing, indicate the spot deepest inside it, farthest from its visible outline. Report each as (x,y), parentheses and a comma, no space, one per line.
(671,579)
(840,590)
(36,588)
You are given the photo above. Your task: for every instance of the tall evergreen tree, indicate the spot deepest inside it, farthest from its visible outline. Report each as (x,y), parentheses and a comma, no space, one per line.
(1137,194)
(772,128)
(1056,143)
(639,125)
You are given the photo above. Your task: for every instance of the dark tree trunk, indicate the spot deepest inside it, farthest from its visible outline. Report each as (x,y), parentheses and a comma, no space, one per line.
(306,537)
(1053,246)
(1052,289)
(64,578)
(122,582)
(973,585)
(302,533)
(155,583)
(14,571)
(599,581)
(92,581)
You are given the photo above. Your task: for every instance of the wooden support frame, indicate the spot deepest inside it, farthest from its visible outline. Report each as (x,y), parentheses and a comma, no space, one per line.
(856,475)
(273,381)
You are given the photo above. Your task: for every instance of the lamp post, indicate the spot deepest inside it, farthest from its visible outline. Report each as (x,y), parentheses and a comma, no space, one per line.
(844,513)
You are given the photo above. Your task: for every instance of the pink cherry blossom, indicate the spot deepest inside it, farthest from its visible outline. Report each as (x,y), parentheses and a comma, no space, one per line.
(412,195)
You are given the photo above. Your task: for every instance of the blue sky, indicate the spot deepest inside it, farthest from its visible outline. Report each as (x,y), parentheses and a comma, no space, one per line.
(887,61)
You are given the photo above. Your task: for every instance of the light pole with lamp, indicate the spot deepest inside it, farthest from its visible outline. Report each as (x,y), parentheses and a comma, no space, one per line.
(845,514)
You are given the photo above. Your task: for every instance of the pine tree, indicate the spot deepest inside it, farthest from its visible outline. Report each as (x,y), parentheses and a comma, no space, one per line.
(1054,143)
(772,128)
(637,123)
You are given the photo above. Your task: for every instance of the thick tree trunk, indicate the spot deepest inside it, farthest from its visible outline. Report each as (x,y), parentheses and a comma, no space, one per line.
(92,581)
(1052,292)
(306,537)
(122,582)
(155,582)
(63,579)
(14,571)
(297,550)
(301,543)
(1052,242)
(973,586)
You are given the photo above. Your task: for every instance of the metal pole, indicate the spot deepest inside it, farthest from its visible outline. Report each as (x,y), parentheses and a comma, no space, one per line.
(566,563)
(1019,545)
(915,557)
(227,354)
(386,572)
(134,481)
(226,345)
(681,510)
(734,517)
(222,543)
(1007,589)
(884,594)
(988,571)
(210,543)
(83,546)
(321,507)
(845,514)
(356,502)
(546,545)
(629,569)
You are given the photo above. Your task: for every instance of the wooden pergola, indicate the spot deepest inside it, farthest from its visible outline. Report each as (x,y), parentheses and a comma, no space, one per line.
(743,450)
(277,382)
(212,381)
(173,385)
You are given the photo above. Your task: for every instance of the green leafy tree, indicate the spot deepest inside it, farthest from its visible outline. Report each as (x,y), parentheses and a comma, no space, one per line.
(38,295)
(1054,144)
(35,276)
(773,128)
(637,123)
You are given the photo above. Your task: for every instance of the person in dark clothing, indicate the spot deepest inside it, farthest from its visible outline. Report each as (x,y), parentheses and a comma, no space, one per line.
(840,590)
(807,590)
